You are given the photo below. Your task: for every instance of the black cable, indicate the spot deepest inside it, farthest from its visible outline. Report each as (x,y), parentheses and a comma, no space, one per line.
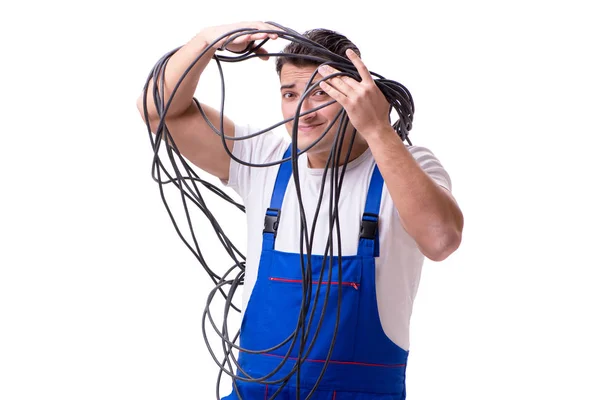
(186,181)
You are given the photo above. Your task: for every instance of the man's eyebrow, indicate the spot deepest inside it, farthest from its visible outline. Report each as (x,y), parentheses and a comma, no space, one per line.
(288,86)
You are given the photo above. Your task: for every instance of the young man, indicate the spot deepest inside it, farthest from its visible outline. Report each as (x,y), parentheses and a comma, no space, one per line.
(395,208)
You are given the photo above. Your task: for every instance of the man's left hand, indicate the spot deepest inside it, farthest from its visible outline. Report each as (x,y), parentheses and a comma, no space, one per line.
(367,107)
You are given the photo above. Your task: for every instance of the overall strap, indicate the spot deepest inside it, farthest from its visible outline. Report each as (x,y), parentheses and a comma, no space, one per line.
(274,211)
(368,244)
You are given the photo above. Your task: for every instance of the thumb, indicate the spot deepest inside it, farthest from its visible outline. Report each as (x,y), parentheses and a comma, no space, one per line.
(260,51)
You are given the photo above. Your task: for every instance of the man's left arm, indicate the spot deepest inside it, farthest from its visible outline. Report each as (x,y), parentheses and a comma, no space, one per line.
(428,212)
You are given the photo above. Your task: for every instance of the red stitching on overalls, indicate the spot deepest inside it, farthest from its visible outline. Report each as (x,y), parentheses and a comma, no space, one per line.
(353,284)
(343,362)
(266,391)
(333,395)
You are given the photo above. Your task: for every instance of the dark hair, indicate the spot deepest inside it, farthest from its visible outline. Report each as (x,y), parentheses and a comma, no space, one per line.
(333,41)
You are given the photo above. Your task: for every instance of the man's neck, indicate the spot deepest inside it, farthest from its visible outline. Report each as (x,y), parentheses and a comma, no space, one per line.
(319,160)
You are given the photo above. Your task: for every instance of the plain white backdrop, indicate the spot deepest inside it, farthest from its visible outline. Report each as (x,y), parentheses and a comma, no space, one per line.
(100,299)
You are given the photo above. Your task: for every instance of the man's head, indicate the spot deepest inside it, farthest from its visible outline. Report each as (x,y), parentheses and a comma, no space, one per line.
(331,40)
(294,74)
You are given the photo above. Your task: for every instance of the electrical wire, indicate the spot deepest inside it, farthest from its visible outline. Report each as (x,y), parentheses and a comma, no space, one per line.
(186,181)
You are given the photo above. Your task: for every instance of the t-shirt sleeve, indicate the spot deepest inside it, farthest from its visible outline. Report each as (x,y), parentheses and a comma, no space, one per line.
(431,165)
(256,150)
(241,150)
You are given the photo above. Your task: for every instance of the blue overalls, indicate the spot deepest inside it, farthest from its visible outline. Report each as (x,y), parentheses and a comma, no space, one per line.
(364,364)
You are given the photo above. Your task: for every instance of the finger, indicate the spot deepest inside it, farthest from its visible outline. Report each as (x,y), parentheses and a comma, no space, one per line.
(271,28)
(343,83)
(275,27)
(257,36)
(260,51)
(362,69)
(333,92)
(240,39)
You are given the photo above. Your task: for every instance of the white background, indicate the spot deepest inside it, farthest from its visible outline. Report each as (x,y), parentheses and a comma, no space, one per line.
(99,298)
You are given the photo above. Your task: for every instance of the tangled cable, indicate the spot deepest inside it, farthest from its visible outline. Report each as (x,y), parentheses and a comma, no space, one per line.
(187,182)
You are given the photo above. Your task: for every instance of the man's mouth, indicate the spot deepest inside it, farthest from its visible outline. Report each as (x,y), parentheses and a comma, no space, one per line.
(308,128)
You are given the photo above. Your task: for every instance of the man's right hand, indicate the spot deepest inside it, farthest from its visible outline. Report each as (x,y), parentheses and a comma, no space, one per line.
(240,43)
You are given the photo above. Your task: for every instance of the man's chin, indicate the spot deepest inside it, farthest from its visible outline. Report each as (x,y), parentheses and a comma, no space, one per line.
(305,144)
(306,140)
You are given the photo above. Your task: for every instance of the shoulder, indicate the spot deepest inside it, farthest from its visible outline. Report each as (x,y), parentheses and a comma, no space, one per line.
(260,145)
(431,164)
(421,153)
(253,146)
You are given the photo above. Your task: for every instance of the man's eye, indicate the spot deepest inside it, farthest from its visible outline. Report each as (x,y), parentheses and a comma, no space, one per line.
(320,93)
(288,95)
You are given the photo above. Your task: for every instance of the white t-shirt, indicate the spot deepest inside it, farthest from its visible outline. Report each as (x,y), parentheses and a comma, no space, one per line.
(398,267)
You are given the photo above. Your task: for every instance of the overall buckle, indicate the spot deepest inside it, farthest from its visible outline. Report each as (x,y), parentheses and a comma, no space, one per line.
(369,225)
(271,221)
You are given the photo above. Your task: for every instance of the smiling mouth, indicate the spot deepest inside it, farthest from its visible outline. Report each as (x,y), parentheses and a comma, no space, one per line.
(308,128)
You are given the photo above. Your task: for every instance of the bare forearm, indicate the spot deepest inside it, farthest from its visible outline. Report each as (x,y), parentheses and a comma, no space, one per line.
(175,69)
(427,213)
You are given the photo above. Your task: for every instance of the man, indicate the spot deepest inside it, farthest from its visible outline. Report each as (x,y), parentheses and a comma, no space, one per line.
(395,208)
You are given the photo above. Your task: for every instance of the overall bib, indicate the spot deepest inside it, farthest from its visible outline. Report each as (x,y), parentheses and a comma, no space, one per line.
(364,364)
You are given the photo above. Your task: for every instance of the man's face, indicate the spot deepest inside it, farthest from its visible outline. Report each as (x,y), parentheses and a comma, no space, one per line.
(310,126)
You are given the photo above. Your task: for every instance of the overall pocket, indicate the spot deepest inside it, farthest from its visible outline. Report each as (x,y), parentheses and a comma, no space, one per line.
(285,294)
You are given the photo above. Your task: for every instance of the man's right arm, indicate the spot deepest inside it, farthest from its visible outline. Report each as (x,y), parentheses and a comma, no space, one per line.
(194,138)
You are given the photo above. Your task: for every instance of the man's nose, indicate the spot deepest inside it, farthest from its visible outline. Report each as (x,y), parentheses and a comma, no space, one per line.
(307,105)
